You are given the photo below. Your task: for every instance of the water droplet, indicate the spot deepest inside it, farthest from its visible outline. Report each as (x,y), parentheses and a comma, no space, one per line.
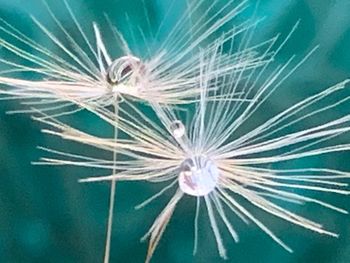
(198,176)
(122,68)
(177,129)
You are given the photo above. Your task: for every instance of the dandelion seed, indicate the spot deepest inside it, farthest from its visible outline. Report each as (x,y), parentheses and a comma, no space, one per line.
(165,74)
(210,159)
(216,164)
(94,78)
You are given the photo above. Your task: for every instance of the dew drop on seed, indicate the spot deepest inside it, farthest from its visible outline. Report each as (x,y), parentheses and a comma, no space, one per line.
(177,129)
(198,176)
(122,68)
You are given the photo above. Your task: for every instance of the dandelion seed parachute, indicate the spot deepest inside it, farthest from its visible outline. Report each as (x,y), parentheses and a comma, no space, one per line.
(165,74)
(87,75)
(213,161)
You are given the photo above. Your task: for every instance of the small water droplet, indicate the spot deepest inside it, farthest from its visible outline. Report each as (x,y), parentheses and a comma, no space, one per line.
(198,176)
(122,68)
(177,129)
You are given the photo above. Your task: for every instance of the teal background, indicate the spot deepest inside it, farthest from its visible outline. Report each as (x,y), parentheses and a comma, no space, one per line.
(47,216)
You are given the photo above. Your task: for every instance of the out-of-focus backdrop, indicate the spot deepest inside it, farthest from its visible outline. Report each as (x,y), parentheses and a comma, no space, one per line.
(47,216)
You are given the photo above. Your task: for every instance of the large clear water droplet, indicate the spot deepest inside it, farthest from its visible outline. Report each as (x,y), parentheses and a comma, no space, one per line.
(122,68)
(177,129)
(198,176)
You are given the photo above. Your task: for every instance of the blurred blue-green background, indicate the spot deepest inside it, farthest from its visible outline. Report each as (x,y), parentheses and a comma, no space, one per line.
(47,216)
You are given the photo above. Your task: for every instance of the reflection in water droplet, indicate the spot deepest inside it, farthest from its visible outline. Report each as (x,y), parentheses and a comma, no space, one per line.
(122,68)
(177,129)
(198,176)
